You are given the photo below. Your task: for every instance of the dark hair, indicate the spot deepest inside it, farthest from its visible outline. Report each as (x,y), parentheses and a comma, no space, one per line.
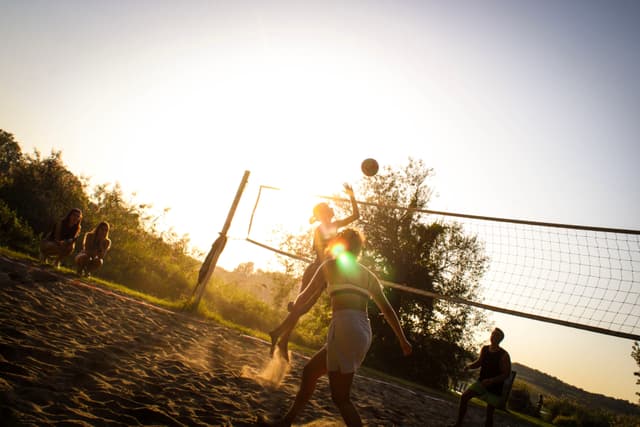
(76,227)
(353,240)
(71,212)
(103,224)
(500,333)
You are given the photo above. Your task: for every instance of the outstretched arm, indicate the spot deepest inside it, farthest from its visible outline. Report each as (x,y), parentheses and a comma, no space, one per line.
(355,213)
(389,314)
(476,363)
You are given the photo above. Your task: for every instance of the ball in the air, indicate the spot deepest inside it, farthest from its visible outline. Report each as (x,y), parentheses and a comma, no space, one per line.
(369,167)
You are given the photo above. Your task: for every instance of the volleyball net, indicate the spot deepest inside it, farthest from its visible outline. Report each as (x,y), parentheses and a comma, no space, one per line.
(576,276)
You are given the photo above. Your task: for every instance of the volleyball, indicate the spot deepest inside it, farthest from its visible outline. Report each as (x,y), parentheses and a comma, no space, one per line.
(369,167)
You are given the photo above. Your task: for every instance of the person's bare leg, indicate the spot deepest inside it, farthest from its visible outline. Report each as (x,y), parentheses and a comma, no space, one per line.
(488,422)
(94,265)
(462,408)
(283,331)
(314,369)
(47,249)
(285,328)
(340,393)
(64,250)
(81,262)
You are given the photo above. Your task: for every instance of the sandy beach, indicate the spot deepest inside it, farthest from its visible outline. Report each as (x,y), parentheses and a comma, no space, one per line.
(75,354)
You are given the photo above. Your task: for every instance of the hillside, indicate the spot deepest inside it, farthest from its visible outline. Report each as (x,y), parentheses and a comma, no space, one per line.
(540,382)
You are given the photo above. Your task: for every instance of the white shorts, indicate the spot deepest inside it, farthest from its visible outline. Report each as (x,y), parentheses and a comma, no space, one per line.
(348,340)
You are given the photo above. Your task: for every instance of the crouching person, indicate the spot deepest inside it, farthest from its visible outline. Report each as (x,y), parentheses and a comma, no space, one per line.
(60,241)
(95,245)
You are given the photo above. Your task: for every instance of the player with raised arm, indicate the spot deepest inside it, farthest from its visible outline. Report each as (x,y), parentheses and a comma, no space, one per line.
(323,233)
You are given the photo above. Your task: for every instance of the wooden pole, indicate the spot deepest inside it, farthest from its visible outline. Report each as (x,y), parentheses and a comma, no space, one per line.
(211,260)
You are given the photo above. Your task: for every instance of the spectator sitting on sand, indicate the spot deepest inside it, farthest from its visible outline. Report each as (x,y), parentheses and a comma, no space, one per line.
(60,241)
(95,245)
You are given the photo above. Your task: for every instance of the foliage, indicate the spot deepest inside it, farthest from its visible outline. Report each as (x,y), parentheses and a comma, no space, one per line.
(312,328)
(151,261)
(520,400)
(15,232)
(36,192)
(551,386)
(563,412)
(41,190)
(236,305)
(10,154)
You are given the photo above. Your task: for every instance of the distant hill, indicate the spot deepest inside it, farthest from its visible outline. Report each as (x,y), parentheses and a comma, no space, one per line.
(539,382)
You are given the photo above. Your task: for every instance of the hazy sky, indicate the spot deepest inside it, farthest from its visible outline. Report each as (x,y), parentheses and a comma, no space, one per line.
(525,109)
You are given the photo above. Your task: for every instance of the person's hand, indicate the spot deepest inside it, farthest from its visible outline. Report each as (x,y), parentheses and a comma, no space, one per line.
(406,347)
(348,189)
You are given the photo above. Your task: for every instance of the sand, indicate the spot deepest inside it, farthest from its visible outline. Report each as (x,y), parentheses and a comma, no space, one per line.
(75,354)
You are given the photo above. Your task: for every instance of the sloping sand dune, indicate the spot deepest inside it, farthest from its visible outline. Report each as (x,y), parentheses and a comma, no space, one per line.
(74,354)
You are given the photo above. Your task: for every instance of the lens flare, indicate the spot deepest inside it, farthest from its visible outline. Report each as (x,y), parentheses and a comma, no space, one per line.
(337,248)
(346,261)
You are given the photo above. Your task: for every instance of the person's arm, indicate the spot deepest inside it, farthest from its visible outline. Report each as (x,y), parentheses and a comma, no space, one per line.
(84,243)
(389,314)
(104,247)
(355,213)
(476,363)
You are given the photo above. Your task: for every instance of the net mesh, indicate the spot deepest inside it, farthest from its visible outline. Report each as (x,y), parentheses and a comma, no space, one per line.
(585,277)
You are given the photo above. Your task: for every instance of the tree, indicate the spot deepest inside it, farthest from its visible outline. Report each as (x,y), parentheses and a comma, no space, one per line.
(43,190)
(404,247)
(141,256)
(635,353)
(10,153)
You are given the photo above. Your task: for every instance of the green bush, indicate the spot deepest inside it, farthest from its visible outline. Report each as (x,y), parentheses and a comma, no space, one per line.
(15,233)
(566,421)
(564,412)
(240,307)
(520,400)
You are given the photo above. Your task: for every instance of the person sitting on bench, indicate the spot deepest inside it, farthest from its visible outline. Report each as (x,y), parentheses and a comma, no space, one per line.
(495,367)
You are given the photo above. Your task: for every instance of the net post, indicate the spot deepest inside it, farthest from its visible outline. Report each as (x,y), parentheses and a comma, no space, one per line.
(211,260)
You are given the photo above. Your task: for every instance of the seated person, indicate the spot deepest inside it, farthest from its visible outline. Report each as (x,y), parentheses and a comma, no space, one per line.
(95,245)
(60,241)
(495,367)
